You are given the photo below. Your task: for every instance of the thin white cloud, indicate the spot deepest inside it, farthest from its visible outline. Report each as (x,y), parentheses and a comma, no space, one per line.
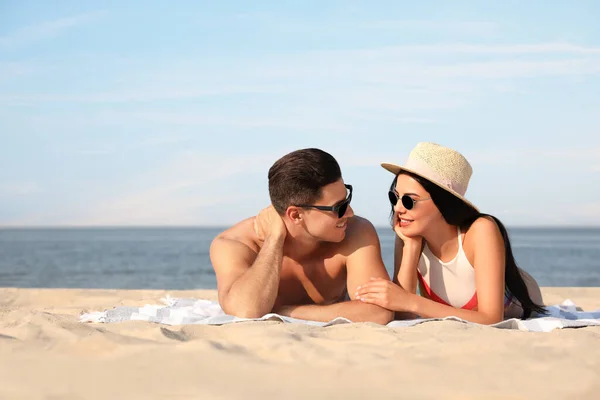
(348,158)
(592,209)
(12,68)
(588,212)
(515,69)
(338,24)
(551,48)
(144,93)
(157,208)
(525,156)
(389,67)
(47,29)
(166,139)
(538,213)
(19,189)
(406,70)
(9,71)
(177,193)
(452,27)
(288,120)
(94,152)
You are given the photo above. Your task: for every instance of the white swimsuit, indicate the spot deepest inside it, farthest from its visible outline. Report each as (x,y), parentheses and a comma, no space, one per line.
(451,283)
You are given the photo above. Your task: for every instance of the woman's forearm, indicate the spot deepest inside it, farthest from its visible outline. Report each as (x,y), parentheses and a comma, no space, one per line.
(426,308)
(407,273)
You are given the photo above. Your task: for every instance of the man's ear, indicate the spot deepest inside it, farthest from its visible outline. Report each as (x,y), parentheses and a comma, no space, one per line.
(294,214)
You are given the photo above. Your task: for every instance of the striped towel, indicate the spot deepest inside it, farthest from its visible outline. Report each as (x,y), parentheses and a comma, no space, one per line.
(207,312)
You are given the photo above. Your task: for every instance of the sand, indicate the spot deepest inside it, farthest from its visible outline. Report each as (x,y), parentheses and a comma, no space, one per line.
(45,353)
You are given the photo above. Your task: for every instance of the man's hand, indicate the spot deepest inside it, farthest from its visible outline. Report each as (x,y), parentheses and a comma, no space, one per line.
(385,294)
(269,223)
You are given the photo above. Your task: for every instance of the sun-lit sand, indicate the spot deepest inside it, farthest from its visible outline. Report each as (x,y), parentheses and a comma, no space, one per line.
(45,353)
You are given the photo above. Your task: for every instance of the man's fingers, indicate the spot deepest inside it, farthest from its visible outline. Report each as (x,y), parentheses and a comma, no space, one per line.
(257,229)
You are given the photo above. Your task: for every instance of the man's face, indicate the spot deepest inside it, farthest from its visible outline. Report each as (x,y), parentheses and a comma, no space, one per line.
(328,225)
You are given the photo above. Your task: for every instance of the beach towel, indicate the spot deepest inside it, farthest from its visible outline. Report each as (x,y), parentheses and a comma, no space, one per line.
(181,311)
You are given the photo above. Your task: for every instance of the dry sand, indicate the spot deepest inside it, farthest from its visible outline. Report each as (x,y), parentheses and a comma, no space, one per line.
(45,353)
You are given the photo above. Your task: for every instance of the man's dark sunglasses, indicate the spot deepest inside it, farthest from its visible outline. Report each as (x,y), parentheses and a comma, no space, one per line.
(407,201)
(340,208)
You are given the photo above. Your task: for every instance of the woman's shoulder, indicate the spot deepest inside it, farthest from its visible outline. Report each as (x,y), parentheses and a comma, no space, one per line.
(483,228)
(483,236)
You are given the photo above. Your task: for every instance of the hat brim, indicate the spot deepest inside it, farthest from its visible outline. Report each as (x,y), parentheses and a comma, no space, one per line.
(396,169)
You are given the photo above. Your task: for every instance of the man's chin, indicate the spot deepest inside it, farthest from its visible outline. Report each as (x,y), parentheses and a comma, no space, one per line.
(340,237)
(339,240)
(333,238)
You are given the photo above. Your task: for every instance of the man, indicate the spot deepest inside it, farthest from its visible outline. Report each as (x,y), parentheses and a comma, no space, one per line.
(299,256)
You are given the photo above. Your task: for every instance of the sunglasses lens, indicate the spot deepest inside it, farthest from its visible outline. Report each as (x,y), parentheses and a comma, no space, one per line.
(342,209)
(344,206)
(393,198)
(408,202)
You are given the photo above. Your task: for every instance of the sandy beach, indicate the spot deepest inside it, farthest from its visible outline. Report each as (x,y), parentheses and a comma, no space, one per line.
(46,353)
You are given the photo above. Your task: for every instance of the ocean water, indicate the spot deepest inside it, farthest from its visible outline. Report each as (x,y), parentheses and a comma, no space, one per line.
(177,258)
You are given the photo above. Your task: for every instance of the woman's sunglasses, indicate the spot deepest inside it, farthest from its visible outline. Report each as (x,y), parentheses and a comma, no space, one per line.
(407,201)
(340,208)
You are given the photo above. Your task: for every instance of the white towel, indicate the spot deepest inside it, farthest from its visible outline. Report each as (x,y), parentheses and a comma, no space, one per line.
(207,312)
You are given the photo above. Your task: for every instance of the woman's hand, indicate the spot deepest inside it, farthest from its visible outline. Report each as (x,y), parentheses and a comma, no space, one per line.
(410,242)
(385,294)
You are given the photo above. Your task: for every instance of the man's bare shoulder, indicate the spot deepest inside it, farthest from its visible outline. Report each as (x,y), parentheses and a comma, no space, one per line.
(232,252)
(240,235)
(360,232)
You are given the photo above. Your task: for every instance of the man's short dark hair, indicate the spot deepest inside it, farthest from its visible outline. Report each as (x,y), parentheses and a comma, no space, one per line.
(298,177)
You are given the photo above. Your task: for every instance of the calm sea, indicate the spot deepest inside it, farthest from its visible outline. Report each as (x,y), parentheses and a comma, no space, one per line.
(177,258)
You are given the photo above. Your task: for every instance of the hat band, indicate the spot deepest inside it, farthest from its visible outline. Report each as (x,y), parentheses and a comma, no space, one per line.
(429,173)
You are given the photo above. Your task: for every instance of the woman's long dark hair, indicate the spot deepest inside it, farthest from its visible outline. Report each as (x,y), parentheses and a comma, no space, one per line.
(458,213)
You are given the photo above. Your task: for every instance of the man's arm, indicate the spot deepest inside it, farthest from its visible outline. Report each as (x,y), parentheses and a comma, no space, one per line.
(363,262)
(354,310)
(247,282)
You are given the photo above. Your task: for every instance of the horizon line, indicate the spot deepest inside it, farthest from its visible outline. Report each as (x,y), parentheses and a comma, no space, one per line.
(195,226)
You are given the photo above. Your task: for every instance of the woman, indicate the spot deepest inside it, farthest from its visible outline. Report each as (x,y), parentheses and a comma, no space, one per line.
(461,259)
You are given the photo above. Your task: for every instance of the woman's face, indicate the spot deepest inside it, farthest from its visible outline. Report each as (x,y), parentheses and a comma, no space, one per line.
(423,214)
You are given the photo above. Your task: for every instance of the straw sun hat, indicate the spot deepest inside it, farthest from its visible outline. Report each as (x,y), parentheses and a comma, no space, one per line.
(440,165)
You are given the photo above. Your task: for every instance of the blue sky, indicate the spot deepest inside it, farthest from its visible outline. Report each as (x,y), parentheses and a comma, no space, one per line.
(147,113)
